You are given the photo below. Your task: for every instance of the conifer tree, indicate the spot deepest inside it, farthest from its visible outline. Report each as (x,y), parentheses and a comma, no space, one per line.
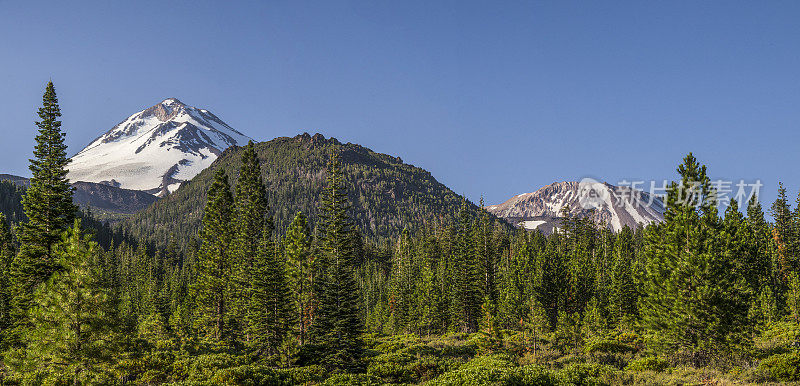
(401,286)
(428,296)
(793,297)
(466,276)
(48,206)
(269,312)
(535,325)
(7,251)
(624,294)
(212,289)
(784,235)
(736,235)
(487,263)
(696,299)
(300,262)
(551,292)
(73,322)
(337,328)
(758,241)
(439,303)
(250,219)
(519,274)
(487,256)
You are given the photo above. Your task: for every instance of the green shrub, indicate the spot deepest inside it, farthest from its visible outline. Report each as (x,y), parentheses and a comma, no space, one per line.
(352,379)
(420,350)
(608,346)
(466,350)
(532,375)
(250,375)
(395,357)
(489,370)
(427,368)
(647,364)
(782,367)
(203,367)
(306,374)
(586,374)
(391,372)
(778,337)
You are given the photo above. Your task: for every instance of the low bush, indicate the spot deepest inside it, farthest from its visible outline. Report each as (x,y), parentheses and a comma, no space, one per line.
(352,379)
(647,364)
(204,367)
(532,375)
(392,372)
(489,370)
(608,346)
(586,374)
(251,375)
(778,338)
(782,367)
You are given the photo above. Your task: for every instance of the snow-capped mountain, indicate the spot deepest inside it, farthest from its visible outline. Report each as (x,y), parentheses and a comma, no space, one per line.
(608,205)
(155,150)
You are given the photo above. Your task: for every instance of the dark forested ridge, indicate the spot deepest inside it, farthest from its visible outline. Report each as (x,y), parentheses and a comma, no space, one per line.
(109,202)
(387,195)
(11,201)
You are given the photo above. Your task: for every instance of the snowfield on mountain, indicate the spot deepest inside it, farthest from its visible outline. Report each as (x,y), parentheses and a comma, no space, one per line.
(157,149)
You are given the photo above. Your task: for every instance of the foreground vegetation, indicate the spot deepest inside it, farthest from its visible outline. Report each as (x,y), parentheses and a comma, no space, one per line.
(699,298)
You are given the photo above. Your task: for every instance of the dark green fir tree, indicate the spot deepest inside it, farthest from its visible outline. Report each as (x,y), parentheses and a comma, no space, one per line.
(73,323)
(784,237)
(48,207)
(6,255)
(696,297)
(300,268)
(211,291)
(249,218)
(337,327)
(270,312)
(466,278)
(624,294)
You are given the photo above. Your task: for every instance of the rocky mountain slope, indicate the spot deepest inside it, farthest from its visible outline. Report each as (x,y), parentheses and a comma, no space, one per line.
(155,150)
(608,205)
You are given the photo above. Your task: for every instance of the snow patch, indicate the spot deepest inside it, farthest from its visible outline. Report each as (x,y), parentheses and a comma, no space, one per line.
(532,224)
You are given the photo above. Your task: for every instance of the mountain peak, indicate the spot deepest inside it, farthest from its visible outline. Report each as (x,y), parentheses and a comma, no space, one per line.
(167,109)
(607,205)
(172,101)
(156,149)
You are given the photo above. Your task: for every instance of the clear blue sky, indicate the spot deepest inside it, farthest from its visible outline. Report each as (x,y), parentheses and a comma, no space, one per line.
(493,98)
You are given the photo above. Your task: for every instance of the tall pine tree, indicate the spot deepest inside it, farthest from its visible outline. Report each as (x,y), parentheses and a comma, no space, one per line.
(48,207)
(6,255)
(300,266)
(624,294)
(73,320)
(269,312)
(212,292)
(696,297)
(250,219)
(337,328)
(784,238)
(466,278)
